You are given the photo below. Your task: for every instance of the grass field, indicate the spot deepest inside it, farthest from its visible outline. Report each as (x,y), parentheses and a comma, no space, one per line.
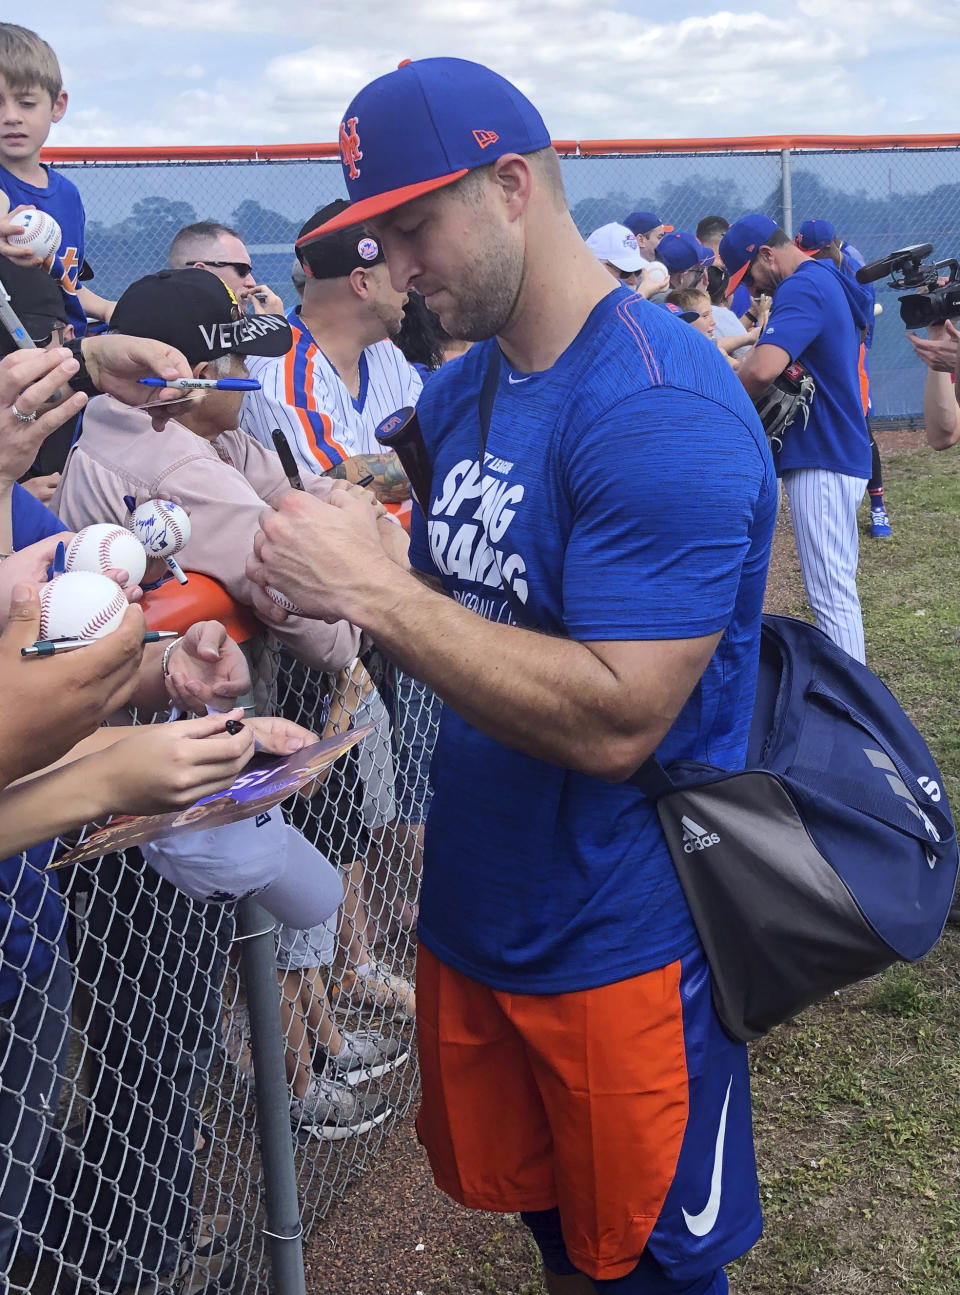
(857,1103)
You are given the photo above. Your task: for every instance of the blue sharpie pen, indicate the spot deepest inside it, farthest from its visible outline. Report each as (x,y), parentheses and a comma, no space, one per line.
(204,384)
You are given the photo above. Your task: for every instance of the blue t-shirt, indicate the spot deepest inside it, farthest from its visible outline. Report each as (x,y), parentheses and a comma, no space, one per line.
(60,199)
(31,911)
(627,495)
(741,301)
(817,317)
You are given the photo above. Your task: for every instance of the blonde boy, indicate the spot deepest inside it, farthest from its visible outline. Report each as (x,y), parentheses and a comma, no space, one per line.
(32,98)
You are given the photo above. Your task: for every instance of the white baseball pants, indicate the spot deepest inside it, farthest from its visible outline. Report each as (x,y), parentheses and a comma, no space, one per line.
(823,507)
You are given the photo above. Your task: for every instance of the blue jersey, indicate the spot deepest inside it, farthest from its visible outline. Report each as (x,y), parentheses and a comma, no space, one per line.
(61,199)
(597,476)
(817,317)
(741,301)
(31,911)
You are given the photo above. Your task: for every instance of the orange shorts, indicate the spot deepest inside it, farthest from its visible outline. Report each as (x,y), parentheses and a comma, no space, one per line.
(577,1101)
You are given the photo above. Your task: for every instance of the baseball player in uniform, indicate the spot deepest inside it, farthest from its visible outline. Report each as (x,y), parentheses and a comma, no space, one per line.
(573,1067)
(817,317)
(343,376)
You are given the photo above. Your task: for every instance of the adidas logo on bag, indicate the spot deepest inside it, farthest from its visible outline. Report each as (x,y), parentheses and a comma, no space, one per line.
(696,837)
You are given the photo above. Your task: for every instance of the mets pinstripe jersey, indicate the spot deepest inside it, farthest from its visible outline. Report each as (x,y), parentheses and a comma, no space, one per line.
(303,395)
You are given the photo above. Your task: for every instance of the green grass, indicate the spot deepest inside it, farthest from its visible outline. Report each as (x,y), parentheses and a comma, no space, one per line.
(857,1102)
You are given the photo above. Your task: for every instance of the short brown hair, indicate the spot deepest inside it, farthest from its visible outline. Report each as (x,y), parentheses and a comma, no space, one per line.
(26,60)
(688,298)
(544,161)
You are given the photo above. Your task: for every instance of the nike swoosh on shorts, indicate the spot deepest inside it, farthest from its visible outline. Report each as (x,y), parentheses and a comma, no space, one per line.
(700,1224)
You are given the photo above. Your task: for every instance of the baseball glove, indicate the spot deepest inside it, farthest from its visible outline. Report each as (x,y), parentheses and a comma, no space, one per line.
(786,399)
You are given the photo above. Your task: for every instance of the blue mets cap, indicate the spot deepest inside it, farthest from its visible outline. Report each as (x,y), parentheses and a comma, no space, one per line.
(688,316)
(814,236)
(641,222)
(683,251)
(425,126)
(742,242)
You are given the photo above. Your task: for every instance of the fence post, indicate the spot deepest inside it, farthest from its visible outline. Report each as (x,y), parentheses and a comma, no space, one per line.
(786,194)
(283,1231)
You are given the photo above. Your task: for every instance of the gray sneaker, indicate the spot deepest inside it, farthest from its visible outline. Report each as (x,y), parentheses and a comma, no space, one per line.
(368,1056)
(330,1110)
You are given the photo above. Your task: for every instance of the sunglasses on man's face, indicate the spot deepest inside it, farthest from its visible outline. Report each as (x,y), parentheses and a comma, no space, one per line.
(243,268)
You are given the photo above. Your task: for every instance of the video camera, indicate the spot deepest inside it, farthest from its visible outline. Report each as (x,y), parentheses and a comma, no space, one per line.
(932,302)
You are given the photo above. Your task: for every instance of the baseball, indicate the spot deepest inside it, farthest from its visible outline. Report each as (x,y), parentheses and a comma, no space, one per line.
(655,272)
(80,604)
(282,600)
(162,527)
(41,233)
(104,547)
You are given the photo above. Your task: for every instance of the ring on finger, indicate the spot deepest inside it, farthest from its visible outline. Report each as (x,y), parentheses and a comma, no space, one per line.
(23,418)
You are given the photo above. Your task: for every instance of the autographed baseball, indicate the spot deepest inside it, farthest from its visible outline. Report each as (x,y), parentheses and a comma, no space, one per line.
(282,600)
(41,233)
(80,604)
(104,547)
(162,527)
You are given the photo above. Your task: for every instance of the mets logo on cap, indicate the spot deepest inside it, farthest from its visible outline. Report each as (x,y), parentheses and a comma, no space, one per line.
(350,153)
(368,249)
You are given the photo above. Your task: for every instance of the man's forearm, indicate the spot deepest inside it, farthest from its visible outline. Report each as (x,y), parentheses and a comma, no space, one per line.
(941,414)
(390,483)
(551,698)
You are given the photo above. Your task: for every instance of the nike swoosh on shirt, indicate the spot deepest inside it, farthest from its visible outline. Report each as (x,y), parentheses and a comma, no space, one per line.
(513,381)
(700,1224)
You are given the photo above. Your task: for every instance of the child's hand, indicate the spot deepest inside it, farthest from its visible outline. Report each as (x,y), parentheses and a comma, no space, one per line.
(10,225)
(160,767)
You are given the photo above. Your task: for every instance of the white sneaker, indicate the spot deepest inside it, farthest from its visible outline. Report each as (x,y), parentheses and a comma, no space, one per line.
(330,1110)
(378,987)
(368,1056)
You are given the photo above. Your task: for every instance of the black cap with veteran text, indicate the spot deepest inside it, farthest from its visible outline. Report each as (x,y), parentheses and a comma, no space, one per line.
(335,255)
(197,313)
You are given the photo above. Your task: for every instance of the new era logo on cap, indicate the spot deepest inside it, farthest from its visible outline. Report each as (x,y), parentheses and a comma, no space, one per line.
(485,137)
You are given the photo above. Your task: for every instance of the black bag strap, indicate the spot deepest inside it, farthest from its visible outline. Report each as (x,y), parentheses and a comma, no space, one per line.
(651,778)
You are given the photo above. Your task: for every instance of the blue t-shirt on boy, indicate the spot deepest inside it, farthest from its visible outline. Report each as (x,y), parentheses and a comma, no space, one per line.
(598,475)
(60,199)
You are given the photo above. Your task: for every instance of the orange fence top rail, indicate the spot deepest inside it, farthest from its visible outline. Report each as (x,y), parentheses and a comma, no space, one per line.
(568,147)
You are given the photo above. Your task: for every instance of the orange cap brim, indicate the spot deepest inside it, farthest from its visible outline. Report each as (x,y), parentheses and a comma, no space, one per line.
(668,229)
(733,283)
(358,212)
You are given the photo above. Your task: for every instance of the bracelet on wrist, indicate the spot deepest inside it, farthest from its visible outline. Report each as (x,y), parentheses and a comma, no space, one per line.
(165,662)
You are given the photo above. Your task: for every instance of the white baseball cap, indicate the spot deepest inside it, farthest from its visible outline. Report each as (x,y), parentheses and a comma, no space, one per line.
(261,856)
(615,243)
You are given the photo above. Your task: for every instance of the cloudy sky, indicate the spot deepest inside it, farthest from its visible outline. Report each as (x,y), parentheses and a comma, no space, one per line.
(271,71)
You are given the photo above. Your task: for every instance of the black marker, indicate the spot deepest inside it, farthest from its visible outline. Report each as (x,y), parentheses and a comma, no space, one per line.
(365,481)
(287,461)
(234,726)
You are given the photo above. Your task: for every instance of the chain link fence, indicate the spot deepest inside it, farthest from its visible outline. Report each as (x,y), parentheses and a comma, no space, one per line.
(878,199)
(185,1088)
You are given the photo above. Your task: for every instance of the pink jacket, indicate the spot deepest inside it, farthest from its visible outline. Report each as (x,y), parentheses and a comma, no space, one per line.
(224,484)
